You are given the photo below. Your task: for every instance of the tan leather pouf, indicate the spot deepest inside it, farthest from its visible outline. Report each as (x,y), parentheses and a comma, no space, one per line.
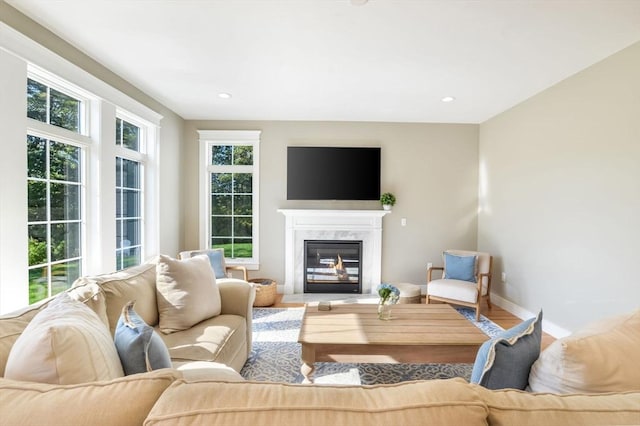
(409,293)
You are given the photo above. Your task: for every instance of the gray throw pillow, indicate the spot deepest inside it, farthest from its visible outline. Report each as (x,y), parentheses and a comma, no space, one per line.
(504,361)
(139,347)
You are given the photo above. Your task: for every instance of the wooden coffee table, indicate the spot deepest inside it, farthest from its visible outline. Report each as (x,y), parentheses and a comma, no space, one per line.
(417,333)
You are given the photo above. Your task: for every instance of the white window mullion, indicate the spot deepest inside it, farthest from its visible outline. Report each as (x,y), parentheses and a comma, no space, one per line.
(233,139)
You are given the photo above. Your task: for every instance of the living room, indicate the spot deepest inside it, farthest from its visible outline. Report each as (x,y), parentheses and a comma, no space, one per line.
(540,172)
(546,186)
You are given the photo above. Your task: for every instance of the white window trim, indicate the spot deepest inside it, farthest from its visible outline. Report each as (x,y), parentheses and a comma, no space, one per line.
(150,200)
(40,58)
(53,82)
(79,139)
(208,138)
(24,57)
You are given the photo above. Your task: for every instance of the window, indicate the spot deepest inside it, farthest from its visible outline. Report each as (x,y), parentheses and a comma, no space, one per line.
(229,212)
(52,106)
(128,195)
(54,216)
(55,192)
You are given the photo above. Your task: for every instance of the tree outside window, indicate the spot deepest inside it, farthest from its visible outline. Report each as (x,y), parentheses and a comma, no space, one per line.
(55,191)
(231,200)
(128,197)
(54,187)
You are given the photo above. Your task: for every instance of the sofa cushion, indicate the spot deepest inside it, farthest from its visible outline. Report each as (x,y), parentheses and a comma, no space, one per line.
(136,283)
(454,289)
(436,402)
(203,370)
(505,360)
(92,296)
(66,343)
(602,357)
(123,401)
(187,292)
(217,339)
(11,327)
(139,347)
(514,407)
(461,268)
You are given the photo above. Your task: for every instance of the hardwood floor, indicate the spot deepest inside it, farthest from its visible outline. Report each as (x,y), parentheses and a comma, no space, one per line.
(496,314)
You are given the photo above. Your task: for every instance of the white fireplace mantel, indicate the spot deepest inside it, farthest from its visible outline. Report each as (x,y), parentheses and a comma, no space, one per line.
(308,224)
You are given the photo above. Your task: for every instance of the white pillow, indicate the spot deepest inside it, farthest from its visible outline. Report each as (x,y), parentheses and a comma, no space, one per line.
(66,343)
(602,357)
(187,292)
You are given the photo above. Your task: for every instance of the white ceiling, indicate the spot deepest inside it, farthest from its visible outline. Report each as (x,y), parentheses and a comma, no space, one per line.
(387,60)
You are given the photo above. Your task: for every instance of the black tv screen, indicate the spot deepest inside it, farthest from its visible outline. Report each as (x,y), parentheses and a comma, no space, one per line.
(333,173)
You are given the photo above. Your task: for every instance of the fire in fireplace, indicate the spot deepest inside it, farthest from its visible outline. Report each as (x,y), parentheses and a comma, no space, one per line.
(332,266)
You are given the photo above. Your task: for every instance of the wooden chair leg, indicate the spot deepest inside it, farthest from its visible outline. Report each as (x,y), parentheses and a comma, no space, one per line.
(489,302)
(478,313)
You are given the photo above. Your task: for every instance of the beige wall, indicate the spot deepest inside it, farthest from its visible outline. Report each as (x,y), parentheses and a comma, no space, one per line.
(560,195)
(431,168)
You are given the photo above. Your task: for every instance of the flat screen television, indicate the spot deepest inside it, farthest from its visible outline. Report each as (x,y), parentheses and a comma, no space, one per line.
(333,173)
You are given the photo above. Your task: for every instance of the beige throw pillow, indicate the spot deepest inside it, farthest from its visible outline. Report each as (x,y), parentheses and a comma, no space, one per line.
(187,292)
(603,357)
(66,343)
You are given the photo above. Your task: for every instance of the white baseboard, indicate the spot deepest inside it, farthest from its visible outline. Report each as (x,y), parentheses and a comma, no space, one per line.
(547,326)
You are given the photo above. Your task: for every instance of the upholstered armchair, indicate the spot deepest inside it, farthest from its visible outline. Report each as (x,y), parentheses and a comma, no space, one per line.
(216,257)
(465,280)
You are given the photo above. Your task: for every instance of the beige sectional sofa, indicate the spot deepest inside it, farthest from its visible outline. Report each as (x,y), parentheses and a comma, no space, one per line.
(203,387)
(222,340)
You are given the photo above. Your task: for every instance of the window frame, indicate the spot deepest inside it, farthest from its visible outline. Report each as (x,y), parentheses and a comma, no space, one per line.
(140,157)
(53,133)
(24,58)
(59,84)
(208,139)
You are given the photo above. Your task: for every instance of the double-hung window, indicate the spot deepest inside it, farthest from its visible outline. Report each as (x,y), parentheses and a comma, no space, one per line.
(229,199)
(129,194)
(56,186)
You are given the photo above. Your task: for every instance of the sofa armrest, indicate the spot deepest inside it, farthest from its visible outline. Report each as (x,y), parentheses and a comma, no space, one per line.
(237,298)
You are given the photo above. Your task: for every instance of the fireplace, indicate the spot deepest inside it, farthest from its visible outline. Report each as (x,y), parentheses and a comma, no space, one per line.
(332,225)
(332,266)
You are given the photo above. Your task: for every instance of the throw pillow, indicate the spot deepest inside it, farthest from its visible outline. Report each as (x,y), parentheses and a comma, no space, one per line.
(505,361)
(602,357)
(187,292)
(460,267)
(216,258)
(139,347)
(65,343)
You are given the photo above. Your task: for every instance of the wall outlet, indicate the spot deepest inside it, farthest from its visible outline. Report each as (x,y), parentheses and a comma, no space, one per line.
(429,265)
(403,221)
(504,277)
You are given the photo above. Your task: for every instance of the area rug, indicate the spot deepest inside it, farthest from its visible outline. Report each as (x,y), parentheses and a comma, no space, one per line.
(275,356)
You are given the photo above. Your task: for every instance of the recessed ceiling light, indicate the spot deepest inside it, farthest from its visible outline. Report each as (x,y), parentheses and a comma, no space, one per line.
(448,99)
(224,95)
(358,2)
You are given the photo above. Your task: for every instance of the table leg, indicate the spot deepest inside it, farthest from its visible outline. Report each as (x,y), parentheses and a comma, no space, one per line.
(308,360)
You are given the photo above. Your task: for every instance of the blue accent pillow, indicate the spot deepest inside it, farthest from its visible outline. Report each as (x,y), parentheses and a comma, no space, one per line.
(505,361)
(216,258)
(139,347)
(460,267)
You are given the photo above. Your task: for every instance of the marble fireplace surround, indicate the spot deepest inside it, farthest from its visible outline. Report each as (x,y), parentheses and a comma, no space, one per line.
(353,225)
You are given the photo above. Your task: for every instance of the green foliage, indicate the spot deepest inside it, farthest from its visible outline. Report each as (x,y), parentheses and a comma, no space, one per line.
(237,250)
(388,199)
(37,251)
